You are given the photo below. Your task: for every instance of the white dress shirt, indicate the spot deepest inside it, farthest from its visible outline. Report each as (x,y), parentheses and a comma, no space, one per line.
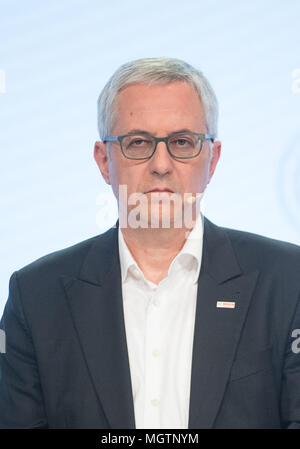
(159,323)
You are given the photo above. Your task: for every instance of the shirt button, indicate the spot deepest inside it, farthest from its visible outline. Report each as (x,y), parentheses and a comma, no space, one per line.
(155,352)
(155,402)
(156,302)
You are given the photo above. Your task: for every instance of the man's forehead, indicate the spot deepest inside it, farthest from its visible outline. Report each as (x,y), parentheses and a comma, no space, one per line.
(158,106)
(140,94)
(135,109)
(155,99)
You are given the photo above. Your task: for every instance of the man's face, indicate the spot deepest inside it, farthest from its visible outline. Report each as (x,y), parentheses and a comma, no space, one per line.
(158,110)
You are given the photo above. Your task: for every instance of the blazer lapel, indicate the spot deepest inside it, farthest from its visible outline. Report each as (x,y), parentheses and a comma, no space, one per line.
(95,301)
(217,330)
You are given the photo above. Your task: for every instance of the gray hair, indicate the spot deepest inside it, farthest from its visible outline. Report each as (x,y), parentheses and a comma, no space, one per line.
(155,71)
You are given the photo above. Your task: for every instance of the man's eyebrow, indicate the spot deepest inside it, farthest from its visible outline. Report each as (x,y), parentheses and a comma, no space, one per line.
(144,132)
(138,131)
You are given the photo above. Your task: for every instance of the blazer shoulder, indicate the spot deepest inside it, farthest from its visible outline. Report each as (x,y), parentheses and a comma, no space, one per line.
(263,250)
(66,260)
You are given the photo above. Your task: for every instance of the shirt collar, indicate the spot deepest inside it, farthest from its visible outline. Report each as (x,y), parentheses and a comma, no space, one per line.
(192,247)
(126,259)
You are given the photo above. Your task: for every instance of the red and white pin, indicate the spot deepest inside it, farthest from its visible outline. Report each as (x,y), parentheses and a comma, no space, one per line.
(226,304)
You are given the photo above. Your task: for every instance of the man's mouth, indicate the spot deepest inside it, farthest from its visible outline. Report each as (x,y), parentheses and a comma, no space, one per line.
(156,189)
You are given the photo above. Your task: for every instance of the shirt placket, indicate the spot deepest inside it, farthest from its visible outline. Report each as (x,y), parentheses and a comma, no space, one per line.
(153,362)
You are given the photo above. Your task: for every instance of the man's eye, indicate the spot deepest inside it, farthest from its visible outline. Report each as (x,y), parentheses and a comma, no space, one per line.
(181,142)
(139,142)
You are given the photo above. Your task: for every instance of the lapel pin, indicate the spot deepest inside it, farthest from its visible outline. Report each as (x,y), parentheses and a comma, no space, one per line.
(226,304)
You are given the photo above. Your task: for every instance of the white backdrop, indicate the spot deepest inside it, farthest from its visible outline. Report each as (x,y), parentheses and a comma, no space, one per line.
(55,57)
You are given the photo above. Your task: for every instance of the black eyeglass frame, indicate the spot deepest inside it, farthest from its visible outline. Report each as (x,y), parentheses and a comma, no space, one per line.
(202,138)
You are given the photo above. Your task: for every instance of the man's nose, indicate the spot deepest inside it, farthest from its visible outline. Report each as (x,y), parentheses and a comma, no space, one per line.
(161,162)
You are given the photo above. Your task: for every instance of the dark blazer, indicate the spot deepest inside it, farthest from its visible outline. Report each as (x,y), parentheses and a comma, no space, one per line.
(66,362)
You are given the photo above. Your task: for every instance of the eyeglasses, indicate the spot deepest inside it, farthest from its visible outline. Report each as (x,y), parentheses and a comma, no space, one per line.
(181,145)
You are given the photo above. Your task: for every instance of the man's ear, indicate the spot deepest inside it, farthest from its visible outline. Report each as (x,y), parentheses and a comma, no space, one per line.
(216,152)
(101,158)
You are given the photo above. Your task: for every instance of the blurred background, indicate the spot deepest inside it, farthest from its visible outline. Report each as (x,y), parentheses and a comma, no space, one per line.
(56,56)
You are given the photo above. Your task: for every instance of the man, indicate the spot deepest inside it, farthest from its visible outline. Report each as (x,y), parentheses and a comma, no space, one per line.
(166,320)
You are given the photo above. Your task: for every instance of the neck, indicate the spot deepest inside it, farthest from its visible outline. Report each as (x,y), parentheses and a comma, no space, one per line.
(153,249)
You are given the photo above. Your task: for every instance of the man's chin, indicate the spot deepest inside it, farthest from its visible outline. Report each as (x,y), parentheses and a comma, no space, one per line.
(162,214)
(157,221)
